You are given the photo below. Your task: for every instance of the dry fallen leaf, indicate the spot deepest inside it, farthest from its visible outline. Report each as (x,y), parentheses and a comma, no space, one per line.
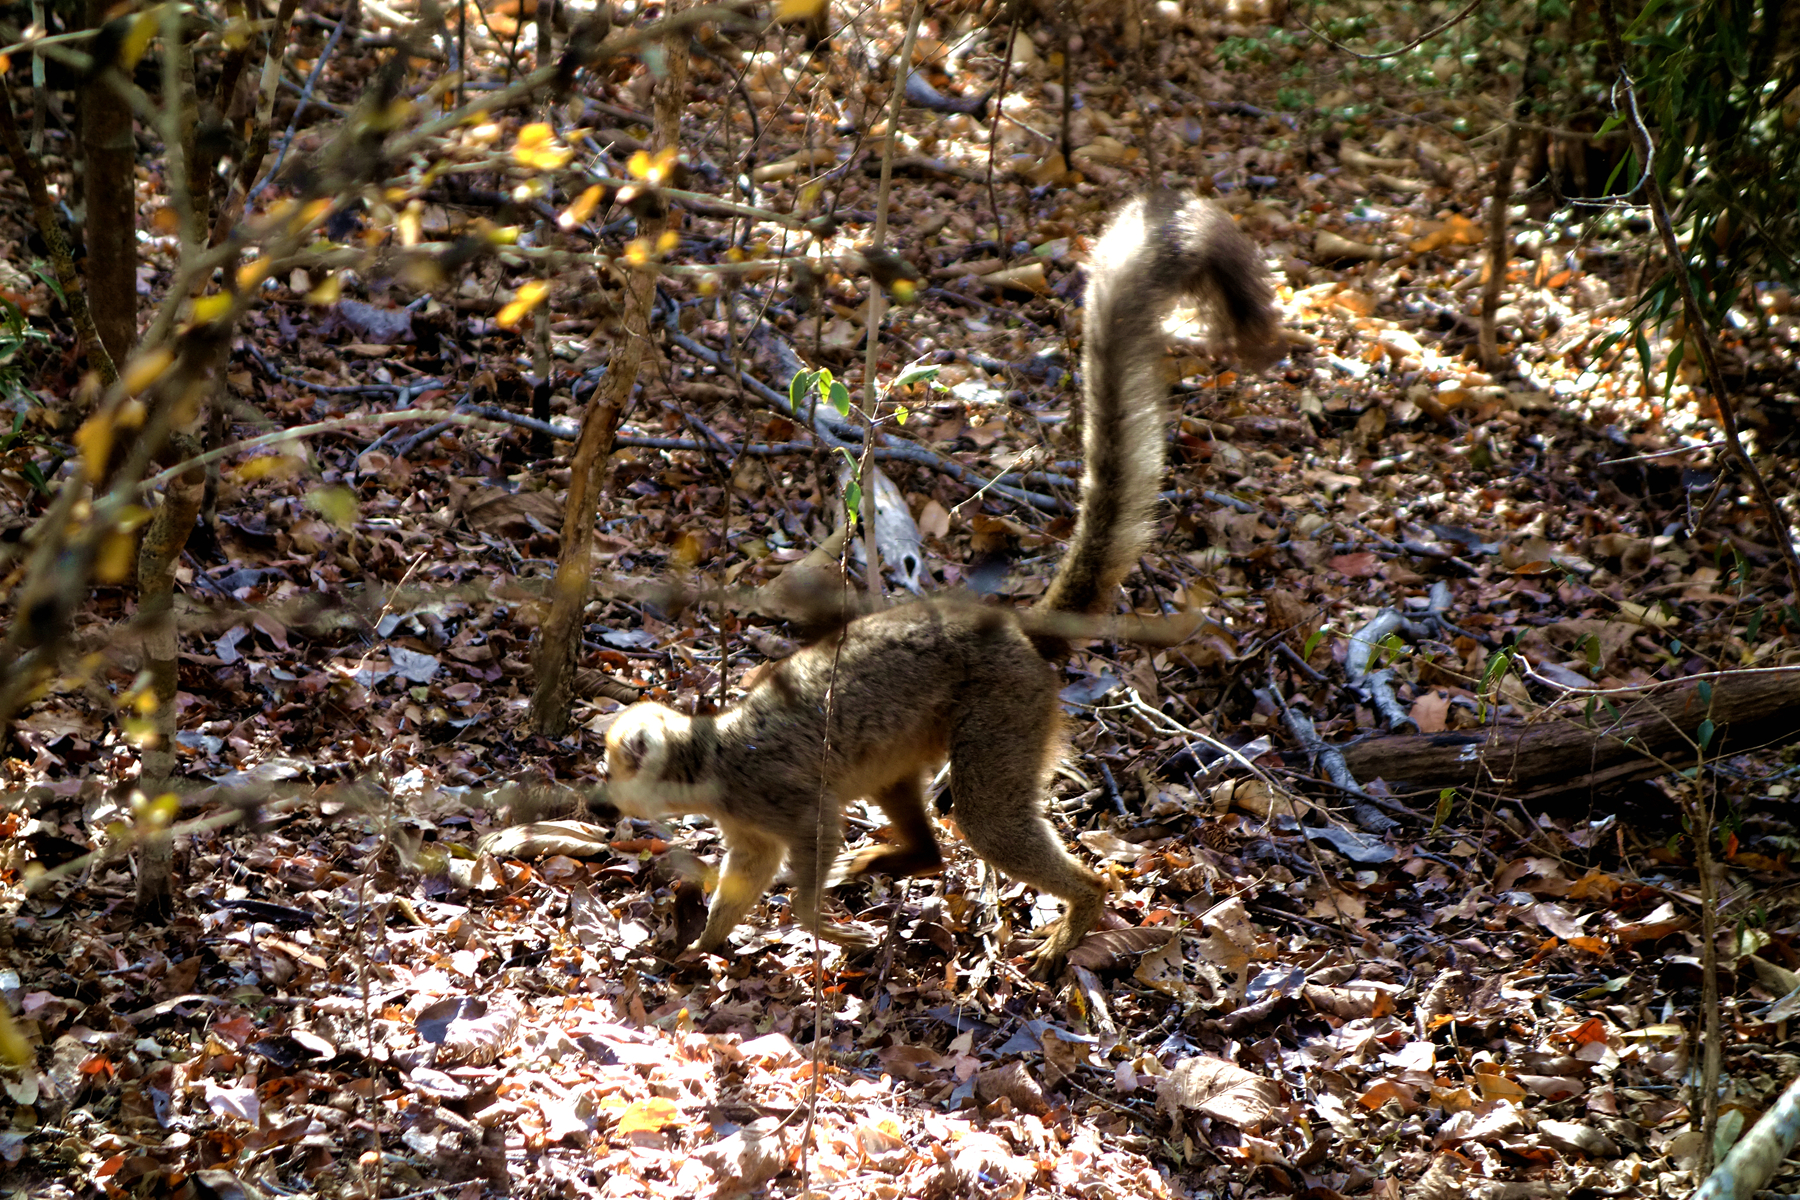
(1212,1087)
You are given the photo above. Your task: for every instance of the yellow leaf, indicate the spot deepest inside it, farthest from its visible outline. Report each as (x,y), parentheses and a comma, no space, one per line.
(667,241)
(411,222)
(146,369)
(327,292)
(639,165)
(117,555)
(582,209)
(137,39)
(537,148)
(394,115)
(13,1047)
(310,213)
(94,439)
(264,466)
(208,309)
(798,10)
(550,158)
(253,273)
(530,296)
(159,813)
(649,1116)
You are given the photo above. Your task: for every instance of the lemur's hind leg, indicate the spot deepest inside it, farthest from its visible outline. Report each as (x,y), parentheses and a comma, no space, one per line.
(914,850)
(997,773)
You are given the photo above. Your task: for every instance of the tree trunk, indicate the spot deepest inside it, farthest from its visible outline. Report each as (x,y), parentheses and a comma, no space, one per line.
(1499,232)
(109,196)
(164,539)
(559,637)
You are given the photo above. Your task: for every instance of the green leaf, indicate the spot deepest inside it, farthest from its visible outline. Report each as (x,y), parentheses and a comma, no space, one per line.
(42,270)
(839,396)
(1392,649)
(853,497)
(336,504)
(917,372)
(1312,642)
(901,413)
(1704,734)
(1705,690)
(1497,666)
(1446,802)
(800,385)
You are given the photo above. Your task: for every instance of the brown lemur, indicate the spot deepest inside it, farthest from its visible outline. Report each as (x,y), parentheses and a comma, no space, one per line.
(873,709)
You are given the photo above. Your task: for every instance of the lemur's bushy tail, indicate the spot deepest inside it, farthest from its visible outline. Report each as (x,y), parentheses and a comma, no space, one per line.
(1156,250)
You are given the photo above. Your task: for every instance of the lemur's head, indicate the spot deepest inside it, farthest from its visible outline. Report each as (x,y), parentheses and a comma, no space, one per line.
(637,753)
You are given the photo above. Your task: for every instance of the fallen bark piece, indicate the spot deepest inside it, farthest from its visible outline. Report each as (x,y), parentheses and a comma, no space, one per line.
(1629,736)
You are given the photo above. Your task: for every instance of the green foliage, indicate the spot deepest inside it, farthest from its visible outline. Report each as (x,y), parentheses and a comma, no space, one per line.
(1717,82)
(17,339)
(1498,664)
(853,493)
(15,451)
(1236,53)
(1446,804)
(1294,99)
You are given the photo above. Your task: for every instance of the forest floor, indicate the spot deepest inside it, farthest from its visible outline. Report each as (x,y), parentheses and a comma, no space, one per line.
(1478,989)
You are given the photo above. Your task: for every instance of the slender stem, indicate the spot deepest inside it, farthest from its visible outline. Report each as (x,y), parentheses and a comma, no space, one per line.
(865,470)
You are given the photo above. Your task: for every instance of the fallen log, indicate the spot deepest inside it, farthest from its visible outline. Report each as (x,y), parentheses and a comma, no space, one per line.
(1583,746)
